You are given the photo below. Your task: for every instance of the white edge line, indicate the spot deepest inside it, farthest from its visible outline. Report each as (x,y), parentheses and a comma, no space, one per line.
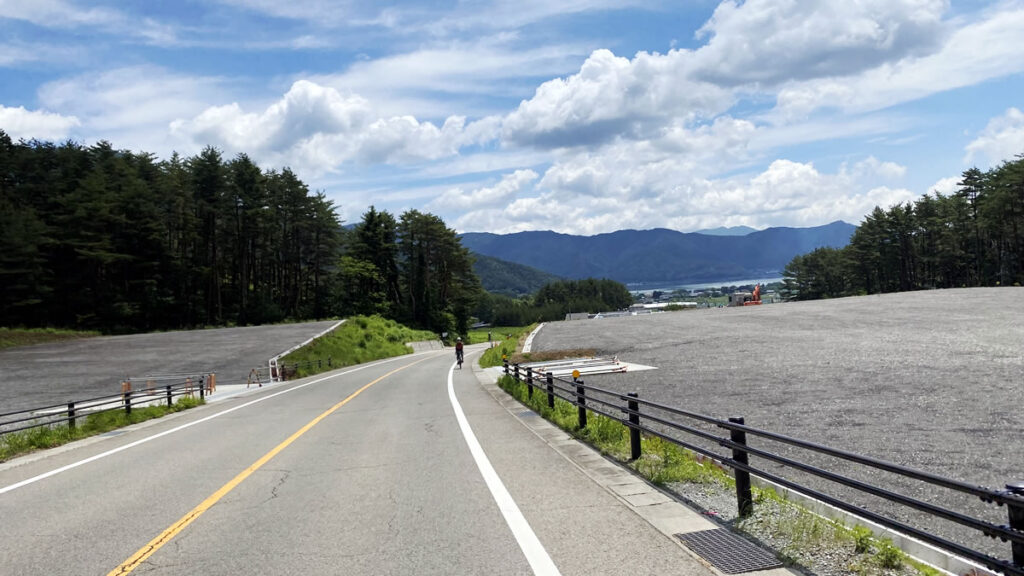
(534,551)
(73,465)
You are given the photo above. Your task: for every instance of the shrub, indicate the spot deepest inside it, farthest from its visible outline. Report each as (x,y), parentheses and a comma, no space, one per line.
(862,537)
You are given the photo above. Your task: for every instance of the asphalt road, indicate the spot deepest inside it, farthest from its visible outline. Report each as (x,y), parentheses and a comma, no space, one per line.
(61,372)
(383,484)
(932,380)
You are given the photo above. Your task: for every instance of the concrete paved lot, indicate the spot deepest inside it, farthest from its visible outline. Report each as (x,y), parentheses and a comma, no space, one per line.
(932,380)
(54,373)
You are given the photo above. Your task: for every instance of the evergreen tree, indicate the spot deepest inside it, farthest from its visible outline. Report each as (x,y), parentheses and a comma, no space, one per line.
(113,240)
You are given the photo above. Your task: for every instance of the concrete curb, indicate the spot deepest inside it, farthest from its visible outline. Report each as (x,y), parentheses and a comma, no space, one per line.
(657,508)
(528,344)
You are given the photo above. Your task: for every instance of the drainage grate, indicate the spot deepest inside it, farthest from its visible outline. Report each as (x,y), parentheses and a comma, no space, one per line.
(728,552)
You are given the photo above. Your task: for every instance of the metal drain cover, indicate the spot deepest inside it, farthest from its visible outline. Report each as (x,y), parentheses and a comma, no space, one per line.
(728,552)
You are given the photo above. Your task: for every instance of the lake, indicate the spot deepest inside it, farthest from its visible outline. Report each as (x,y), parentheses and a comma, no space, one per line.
(648,288)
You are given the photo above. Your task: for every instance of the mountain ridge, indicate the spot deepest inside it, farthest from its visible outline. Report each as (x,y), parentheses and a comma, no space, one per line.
(659,254)
(727,231)
(509,278)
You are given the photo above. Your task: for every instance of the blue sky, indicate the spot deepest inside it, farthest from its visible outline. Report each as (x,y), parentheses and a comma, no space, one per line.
(580,116)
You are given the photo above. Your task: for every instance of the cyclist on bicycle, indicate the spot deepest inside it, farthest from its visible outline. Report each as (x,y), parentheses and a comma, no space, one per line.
(458,351)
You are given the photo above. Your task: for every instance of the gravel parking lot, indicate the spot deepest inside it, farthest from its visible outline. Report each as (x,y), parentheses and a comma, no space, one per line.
(932,380)
(53,373)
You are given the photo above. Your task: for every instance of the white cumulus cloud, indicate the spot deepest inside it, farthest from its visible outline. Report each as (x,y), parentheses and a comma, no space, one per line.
(500,194)
(945,186)
(1002,139)
(778,40)
(589,195)
(978,51)
(306,109)
(35,124)
(612,96)
(316,128)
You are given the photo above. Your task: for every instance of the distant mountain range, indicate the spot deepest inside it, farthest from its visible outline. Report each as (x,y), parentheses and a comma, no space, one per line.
(659,255)
(730,231)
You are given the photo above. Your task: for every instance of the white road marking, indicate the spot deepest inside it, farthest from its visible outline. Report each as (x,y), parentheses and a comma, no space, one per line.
(534,551)
(73,465)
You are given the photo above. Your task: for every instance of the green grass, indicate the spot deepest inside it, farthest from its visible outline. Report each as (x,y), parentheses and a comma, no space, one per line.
(12,337)
(18,443)
(498,333)
(360,339)
(507,344)
(661,461)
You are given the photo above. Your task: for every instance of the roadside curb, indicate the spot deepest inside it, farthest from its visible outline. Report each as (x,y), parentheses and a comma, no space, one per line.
(656,507)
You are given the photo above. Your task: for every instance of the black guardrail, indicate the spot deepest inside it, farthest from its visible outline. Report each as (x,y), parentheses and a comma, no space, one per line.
(638,415)
(152,389)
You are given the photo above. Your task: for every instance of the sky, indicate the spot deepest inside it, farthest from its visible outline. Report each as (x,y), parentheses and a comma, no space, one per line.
(578,116)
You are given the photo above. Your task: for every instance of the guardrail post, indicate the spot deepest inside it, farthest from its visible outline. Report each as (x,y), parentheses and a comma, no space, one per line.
(516,370)
(551,390)
(634,429)
(1016,512)
(529,382)
(128,403)
(744,499)
(170,397)
(504,362)
(71,415)
(581,399)
(202,387)
(329,362)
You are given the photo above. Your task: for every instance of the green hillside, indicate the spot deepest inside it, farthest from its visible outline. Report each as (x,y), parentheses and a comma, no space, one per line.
(508,278)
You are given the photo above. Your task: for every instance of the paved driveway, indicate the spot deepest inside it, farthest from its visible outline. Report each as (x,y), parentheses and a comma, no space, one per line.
(54,373)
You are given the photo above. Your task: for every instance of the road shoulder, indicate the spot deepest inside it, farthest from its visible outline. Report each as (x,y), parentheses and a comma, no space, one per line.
(645,501)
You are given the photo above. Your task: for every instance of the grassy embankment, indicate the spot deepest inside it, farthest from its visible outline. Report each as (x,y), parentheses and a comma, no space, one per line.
(507,340)
(664,463)
(12,337)
(18,443)
(360,339)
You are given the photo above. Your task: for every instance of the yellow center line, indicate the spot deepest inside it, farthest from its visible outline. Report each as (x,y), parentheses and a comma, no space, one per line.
(156,543)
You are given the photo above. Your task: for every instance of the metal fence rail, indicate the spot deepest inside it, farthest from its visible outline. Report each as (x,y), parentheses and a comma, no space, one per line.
(69,413)
(284,371)
(641,416)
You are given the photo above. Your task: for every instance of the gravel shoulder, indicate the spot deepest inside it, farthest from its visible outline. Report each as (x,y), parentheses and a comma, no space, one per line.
(932,380)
